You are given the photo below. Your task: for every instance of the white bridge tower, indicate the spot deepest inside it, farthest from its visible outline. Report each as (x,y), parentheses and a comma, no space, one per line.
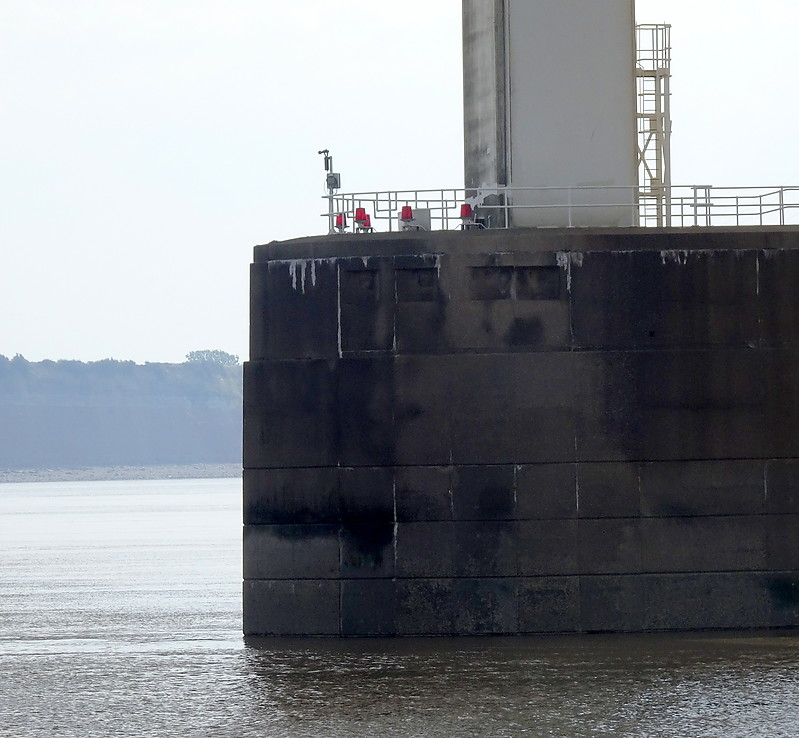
(566,104)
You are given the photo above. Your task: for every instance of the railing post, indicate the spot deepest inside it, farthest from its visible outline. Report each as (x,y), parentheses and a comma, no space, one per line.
(782,206)
(331,218)
(570,207)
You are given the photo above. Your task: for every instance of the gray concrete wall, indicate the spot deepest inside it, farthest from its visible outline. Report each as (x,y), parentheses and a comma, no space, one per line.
(523,432)
(484,93)
(549,102)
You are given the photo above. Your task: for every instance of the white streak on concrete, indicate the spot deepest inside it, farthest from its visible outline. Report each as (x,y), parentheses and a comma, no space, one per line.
(677,257)
(757,275)
(567,259)
(299,270)
(338,310)
(394,317)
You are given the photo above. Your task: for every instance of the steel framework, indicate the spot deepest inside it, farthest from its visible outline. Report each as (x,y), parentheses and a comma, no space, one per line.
(652,78)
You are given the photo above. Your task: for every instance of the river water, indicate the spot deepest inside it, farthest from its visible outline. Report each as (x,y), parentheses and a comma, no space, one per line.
(120,616)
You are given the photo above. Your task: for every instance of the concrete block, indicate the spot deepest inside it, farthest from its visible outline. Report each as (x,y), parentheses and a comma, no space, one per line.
(482,410)
(546,491)
(608,490)
(542,425)
(704,544)
(423,493)
(782,486)
(366,304)
(425,607)
(652,300)
(491,282)
(671,405)
(421,309)
(367,550)
(610,546)
(485,606)
(420,326)
(782,589)
(259,312)
(481,325)
(293,310)
(299,305)
(538,326)
(611,603)
(425,549)
(365,411)
(291,608)
(291,496)
(705,601)
(291,551)
(485,549)
(368,608)
(483,493)
(605,407)
(366,495)
(782,542)
(500,305)
(690,488)
(547,547)
(779,369)
(422,410)
(290,414)
(779,303)
(505,311)
(418,278)
(549,605)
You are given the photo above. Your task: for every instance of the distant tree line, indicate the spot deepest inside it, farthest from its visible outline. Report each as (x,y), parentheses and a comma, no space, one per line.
(214,356)
(110,412)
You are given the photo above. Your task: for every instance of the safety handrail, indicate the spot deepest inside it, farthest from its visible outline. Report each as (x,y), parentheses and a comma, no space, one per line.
(504,207)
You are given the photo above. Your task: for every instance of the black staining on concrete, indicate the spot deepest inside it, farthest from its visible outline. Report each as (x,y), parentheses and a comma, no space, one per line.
(366,550)
(546,491)
(523,432)
(423,494)
(525,332)
(483,493)
(368,607)
(785,592)
(366,319)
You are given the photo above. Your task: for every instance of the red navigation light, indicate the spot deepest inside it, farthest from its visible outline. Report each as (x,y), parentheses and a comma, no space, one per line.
(341,221)
(367,221)
(466,211)
(360,215)
(406,216)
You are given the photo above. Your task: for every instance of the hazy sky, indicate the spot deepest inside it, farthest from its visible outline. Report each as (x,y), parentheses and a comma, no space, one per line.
(147,145)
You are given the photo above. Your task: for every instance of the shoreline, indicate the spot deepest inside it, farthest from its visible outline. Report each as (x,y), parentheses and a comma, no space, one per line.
(110,473)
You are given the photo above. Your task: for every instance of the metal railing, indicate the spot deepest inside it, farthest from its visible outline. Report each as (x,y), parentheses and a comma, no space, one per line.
(570,207)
